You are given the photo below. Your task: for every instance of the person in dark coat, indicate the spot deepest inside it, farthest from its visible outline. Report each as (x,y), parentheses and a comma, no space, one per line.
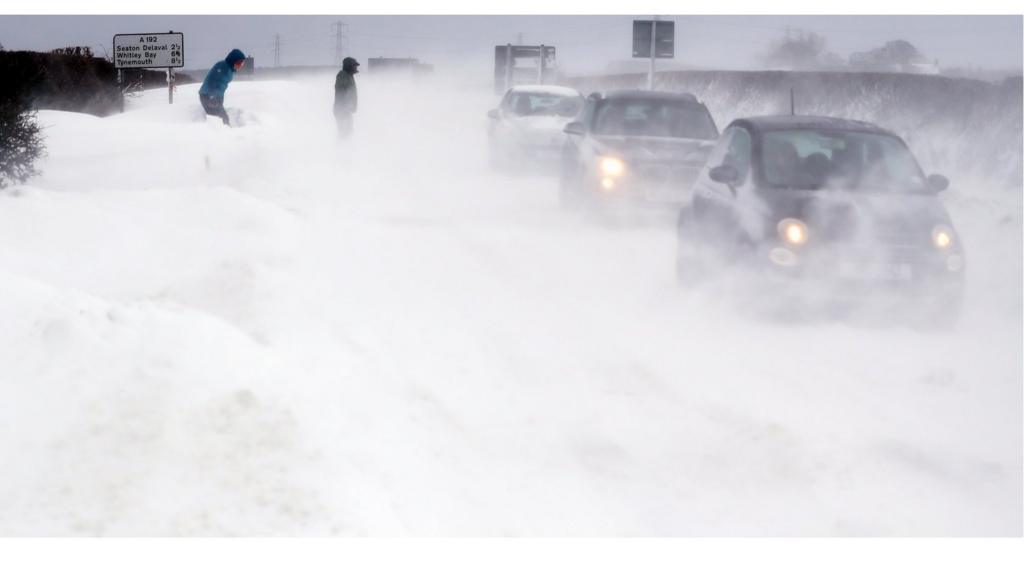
(345,97)
(211,93)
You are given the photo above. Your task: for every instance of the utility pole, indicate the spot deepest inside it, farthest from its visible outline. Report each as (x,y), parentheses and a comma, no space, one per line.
(277,50)
(340,29)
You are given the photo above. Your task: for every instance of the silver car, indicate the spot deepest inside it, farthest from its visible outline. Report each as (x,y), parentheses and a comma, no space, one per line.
(526,128)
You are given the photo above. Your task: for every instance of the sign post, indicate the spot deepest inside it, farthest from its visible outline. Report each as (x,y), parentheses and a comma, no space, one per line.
(120,88)
(650,72)
(150,50)
(510,65)
(540,66)
(653,39)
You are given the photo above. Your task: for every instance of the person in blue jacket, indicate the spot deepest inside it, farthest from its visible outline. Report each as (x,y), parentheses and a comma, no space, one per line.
(211,94)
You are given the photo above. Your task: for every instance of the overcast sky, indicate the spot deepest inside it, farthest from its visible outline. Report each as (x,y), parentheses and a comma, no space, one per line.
(584,43)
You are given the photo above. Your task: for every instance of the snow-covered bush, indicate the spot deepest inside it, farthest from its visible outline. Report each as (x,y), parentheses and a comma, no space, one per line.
(21,143)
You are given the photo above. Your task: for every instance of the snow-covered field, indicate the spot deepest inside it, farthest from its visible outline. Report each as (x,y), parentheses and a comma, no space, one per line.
(263,331)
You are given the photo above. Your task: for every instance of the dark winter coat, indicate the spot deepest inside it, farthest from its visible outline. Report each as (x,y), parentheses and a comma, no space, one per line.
(346,99)
(218,78)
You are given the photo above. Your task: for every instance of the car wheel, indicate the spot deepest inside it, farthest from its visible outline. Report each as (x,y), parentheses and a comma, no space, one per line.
(496,159)
(688,269)
(691,270)
(569,185)
(944,312)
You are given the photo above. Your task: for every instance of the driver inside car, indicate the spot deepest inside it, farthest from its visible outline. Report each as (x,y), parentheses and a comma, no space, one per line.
(523,107)
(781,161)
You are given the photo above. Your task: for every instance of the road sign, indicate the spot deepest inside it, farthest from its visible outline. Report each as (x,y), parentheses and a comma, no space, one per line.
(522,65)
(149,50)
(664,38)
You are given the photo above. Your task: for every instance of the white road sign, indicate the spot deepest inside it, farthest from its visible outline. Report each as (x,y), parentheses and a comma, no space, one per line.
(149,50)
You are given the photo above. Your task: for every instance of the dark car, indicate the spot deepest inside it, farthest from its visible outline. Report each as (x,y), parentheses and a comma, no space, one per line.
(636,148)
(838,204)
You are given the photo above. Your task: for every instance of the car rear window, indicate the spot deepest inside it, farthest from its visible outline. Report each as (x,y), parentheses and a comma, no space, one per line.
(540,104)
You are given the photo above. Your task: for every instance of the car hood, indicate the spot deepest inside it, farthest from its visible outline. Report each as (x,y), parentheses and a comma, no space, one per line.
(545,125)
(655,149)
(850,216)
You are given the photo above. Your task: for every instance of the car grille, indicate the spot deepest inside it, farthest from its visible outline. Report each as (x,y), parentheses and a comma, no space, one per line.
(843,225)
(668,175)
(899,234)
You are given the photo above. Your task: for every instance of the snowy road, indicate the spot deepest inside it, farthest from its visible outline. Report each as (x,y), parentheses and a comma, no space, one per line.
(261,331)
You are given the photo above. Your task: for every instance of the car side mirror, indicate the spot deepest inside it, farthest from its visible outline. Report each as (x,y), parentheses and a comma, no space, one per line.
(492,114)
(937,183)
(724,174)
(575,128)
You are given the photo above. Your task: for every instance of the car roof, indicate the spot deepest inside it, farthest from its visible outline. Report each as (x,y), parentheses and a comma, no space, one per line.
(546,89)
(627,94)
(792,122)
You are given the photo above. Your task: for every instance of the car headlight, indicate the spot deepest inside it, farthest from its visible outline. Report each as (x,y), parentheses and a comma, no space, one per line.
(793,231)
(611,166)
(942,236)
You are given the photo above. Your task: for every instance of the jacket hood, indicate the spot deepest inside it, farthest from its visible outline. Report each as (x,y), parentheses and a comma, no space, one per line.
(234,56)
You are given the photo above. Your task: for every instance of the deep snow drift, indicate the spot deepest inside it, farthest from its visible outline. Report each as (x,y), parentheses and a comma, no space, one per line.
(263,331)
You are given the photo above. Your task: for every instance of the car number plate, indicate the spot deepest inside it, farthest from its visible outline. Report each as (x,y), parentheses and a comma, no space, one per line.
(663,194)
(876,271)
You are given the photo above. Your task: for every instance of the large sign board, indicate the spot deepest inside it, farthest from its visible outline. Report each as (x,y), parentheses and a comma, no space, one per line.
(664,38)
(522,65)
(149,50)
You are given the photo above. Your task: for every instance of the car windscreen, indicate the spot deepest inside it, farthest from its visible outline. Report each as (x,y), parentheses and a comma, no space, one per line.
(665,118)
(541,104)
(813,159)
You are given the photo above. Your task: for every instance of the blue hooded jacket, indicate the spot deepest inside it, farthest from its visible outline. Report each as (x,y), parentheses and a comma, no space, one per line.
(221,74)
